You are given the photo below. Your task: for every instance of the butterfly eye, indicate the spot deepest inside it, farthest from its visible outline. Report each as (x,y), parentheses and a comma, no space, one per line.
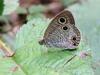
(65,28)
(62,20)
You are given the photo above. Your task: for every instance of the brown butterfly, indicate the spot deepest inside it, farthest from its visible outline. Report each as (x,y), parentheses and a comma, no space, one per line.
(62,32)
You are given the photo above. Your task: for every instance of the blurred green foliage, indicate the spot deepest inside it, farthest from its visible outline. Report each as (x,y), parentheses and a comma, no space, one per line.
(10,6)
(69,2)
(1,6)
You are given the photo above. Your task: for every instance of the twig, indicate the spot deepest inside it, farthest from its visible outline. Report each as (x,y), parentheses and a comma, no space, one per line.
(6,50)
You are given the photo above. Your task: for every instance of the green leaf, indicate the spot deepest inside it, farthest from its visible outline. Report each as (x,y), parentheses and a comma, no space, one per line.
(69,2)
(87,17)
(9,67)
(36,59)
(10,7)
(1,6)
(37,9)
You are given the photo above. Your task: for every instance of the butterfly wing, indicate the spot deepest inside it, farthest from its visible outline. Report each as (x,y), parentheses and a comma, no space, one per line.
(58,38)
(60,32)
(54,23)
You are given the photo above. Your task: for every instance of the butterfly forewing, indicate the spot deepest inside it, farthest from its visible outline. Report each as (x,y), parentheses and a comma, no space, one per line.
(54,23)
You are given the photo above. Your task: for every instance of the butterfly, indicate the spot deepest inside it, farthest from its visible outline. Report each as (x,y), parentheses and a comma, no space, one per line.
(62,32)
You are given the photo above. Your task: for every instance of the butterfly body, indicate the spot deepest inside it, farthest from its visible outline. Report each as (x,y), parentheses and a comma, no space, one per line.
(61,32)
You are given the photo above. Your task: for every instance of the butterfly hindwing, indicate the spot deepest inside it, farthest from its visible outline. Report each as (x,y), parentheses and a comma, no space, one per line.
(61,31)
